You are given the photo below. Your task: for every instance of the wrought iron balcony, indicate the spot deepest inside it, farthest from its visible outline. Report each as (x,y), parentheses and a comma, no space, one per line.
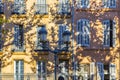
(64,8)
(1,8)
(42,46)
(13,76)
(18,8)
(41,8)
(18,47)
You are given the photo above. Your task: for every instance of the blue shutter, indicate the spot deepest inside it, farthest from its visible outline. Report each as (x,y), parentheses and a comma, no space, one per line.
(100,71)
(106,25)
(87,32)
(62,28)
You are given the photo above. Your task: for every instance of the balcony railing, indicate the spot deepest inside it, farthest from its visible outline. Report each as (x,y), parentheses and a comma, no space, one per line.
(18,8)
(18,47)
(64,8)
(41,8)
(23,77)
(42,46)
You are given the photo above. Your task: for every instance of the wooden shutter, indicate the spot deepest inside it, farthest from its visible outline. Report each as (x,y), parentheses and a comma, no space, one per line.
(92,72)
(112,70)
(100,71)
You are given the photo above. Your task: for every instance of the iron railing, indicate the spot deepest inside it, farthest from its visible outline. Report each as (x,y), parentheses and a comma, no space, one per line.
(41,8)
(64,8)
(23,77)
(42,46)
(18,8)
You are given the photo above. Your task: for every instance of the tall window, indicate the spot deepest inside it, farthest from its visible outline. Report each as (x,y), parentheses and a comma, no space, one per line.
(62,28)
(18,38)
(83,32)
(41,70)
(18,70)
(18,7)
(83,3)
(1,6)
(109,33)
(63,70)
(109,3)
(40,45)
(63,7)
(41,7)
(109,71)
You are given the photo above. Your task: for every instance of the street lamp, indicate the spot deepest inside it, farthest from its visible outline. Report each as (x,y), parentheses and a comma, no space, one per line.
(66,40)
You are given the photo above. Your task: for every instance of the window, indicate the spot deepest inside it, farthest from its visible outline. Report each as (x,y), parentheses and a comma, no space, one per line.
(83,30)
(18,70)
(41,70)
(41,7)
(63,70)
(109,33)
(109,3)
(18,38)
(109,71)
(100,71)
(40,45)
(83,3)
(19,7)
(1,6)
(62,28)
(84,70)
(63,7)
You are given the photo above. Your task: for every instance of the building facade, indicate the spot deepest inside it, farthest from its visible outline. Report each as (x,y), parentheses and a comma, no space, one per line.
(95,41)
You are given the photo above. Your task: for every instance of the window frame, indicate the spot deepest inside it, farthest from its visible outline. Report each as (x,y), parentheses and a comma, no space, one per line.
(80,3)
(17,41)
(111,33)
(18,74)
(45,70)
(83,28)
(109,4)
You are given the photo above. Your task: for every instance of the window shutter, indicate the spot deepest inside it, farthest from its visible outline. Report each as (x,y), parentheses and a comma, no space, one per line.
(111,33)
(112,69)
(100,71)
(92,72)
(114,34)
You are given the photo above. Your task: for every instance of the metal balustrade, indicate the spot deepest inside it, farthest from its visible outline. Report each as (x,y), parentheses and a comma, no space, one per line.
(18,8)
(24,77)
(64,8)
(41,8)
